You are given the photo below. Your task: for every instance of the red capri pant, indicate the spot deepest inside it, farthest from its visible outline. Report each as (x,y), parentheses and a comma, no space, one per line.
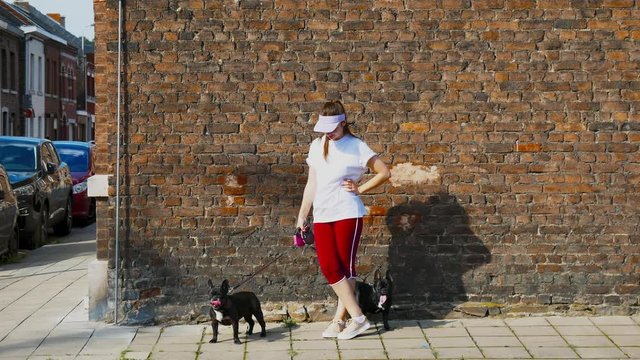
(337,245)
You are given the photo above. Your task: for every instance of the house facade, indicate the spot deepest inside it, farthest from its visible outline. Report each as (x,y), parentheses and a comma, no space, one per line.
(86,98)
(53,64)
(11,51)
(52,90)
(68,101)
(34,80)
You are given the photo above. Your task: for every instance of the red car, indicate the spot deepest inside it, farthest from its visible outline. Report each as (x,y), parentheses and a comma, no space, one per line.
(79,156)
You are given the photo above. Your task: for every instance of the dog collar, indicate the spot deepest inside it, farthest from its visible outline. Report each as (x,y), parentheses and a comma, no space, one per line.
(383,299)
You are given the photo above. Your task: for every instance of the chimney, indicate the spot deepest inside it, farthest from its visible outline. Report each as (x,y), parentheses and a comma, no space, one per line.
(57,18)
(23,4)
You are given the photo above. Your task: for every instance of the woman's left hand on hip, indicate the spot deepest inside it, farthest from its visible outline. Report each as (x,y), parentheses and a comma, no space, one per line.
(350,186)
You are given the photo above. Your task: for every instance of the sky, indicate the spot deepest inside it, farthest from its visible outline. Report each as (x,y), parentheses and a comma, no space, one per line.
(78,13)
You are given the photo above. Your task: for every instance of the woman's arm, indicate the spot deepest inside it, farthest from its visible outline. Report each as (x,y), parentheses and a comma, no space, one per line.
(307,198)
(382,174)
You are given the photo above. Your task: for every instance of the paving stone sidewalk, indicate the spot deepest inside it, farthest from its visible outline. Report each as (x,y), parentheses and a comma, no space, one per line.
(43,315)
(518,338)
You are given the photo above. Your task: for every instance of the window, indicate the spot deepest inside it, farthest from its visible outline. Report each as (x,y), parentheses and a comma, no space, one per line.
(4,73)
(47,79)
(51,154)
(3,186)
(40,74)
(71,82)
(12,68)
(63,82)
(89,84)
(5,125)
(32,71)
(82,132)
(55,78)
(45,155)
(36,127)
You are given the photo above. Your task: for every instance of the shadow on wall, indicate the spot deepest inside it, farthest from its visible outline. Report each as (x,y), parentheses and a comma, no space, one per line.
(432,251)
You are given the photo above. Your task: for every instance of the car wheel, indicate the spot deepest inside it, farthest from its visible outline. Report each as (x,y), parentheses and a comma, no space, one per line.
(64,226)
(13,241)
(41,231)
(92,210)
(91,215)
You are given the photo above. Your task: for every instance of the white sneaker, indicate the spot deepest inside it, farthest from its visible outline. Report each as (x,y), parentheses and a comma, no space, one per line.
(334,328)
(353,329)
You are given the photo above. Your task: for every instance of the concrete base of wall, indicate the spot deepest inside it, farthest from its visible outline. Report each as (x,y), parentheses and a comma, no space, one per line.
(98,289)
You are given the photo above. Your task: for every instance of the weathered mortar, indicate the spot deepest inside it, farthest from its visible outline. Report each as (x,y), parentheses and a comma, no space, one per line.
(512,127)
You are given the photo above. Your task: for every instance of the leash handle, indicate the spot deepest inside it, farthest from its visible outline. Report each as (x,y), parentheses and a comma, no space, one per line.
(303,236)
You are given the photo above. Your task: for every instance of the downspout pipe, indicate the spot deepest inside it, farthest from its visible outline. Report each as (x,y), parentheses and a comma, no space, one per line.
(116,302)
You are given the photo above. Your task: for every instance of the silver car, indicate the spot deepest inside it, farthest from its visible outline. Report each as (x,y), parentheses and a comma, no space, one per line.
(8,216)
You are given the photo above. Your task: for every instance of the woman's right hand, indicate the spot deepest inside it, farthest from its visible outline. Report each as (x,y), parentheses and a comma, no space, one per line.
(300,224)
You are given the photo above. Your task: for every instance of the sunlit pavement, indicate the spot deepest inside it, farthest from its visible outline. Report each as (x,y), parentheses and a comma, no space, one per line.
(43,315)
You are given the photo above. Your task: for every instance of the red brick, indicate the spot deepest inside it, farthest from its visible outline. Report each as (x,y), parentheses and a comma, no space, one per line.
(528,147)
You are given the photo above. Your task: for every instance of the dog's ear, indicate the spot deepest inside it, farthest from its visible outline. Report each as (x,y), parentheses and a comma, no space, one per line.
(376,276)
(210,283)
(388,276)
(224,288)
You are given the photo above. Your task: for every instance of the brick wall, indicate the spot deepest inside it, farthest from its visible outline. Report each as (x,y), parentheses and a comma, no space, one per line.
(10,85)
(512,128)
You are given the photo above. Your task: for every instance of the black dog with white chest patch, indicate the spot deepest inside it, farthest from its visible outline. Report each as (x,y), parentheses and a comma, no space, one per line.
(228,309)
(376,298)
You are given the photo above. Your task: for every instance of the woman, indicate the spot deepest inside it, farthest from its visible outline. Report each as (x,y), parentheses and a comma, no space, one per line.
(337,161)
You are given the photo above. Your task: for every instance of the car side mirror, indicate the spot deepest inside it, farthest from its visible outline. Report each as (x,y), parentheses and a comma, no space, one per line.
(51,168)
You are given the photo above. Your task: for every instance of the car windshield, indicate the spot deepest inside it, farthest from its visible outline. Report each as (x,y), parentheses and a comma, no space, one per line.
(76,158)
(18,157)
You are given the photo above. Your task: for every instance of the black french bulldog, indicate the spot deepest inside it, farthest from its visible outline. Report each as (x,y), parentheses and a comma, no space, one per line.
(228,309)
(376,297)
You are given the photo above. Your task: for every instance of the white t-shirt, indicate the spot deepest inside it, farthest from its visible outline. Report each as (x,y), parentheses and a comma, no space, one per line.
(347,159)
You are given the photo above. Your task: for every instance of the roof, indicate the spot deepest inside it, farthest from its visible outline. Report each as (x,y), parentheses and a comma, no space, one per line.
(6,25)
(48,24)
(15,16)
(22,139)
(68,144)
(11,17)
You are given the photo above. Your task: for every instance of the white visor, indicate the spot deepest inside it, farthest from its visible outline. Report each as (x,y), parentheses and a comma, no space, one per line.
(327,124)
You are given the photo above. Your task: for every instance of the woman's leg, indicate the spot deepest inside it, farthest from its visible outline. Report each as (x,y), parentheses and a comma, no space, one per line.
(328,259)
(325,240)
(341,311)
(348,237)
(337,262)
(330,266)
(347,302)
(347,233)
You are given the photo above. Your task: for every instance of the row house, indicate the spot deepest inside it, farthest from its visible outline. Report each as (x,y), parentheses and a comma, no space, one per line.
(77,77)
(53,102)
(11,44)
(86,105)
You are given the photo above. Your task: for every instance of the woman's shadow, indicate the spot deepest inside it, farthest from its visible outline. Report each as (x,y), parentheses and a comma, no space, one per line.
(431,256)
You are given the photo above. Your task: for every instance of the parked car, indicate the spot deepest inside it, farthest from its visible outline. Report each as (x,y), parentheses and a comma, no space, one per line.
(9,216)
(79,156)
(42,184)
